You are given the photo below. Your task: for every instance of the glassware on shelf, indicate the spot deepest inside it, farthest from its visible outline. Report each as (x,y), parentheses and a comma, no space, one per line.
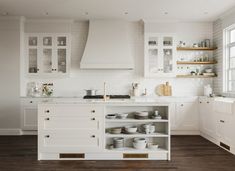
(47,41)
(32,41)
(61,41)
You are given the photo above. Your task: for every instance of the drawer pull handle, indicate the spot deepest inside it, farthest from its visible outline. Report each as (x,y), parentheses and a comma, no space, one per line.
(47,111)
(93,136)
(31,102)
(47,136)
(208,102)
(93,119)
(47,119)
(182,105)
(221,121)
(93,111)
(200,102)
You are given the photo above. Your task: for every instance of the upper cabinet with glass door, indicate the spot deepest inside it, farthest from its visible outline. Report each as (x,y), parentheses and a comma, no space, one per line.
(47,54)
(160,50)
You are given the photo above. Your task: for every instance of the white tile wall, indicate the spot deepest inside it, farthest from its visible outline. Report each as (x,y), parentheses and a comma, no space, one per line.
(218,55)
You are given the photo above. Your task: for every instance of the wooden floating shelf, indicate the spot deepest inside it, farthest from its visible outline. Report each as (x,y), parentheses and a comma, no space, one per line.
(196,63)
(196,48)
(195,76)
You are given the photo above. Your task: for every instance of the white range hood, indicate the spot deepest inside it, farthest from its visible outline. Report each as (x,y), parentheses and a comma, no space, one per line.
(107,46)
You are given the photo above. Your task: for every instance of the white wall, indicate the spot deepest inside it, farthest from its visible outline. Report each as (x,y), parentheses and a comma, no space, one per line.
(119,82)
(9,73)
(218,27)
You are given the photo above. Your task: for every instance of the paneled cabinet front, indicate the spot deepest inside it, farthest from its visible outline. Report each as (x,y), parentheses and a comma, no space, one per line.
(71,128)
(186,116)
(207,117)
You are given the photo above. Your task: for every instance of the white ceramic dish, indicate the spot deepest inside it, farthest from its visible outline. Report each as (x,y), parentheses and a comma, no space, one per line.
(209,70)
(122,115)
(111,116)
(139,145)
(130,129)
(142,113)
(152,146)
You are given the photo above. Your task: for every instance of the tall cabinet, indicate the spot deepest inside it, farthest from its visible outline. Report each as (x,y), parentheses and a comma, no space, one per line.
(160,53)
(47,54)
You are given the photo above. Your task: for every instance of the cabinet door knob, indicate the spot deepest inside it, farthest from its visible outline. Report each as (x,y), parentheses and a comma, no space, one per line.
(31,102)
(222,121)
(93,111)
(92,119)
(47,111)
(182,105)
(37,69)
(47,119)
(47,136)
(93,136)
(207,102)
(200,102)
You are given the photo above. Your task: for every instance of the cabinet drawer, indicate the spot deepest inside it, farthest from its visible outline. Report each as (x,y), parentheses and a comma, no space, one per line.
(71,110)
(62,122)
(68,140)
(223,107)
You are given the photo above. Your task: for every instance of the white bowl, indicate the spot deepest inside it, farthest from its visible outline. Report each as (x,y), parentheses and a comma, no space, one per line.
(111,116)
(143,113)
(139,146)
(131,129)
(152,146)
(209,70)
(122,115)
(140,140)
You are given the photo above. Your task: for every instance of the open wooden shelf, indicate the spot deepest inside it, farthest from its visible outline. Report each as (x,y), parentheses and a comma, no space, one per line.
(196,63)
(195,76)
(196,48)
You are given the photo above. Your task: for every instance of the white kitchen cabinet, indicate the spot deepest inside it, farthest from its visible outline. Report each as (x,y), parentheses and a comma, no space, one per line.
(207,116)
(186,116)
(70,128)
(29,114)
(160,54)
(224,114)
(47,54)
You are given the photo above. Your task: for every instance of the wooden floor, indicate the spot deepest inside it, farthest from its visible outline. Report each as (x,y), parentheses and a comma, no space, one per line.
(189,153)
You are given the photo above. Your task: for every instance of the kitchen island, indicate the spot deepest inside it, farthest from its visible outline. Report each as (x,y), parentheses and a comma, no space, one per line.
(80,130)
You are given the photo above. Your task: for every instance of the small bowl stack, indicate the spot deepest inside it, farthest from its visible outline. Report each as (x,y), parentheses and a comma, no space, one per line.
(115,130)
(148,128)
(141,115)
(118,142)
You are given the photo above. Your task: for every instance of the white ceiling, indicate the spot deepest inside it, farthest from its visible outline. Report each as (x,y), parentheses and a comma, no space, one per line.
(184,10)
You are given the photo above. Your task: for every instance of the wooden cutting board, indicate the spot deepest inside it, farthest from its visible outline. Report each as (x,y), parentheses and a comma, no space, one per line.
(164,90)
(167,89)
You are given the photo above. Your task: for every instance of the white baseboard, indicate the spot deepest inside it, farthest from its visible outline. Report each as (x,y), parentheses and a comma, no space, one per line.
(174,132)
(10,131)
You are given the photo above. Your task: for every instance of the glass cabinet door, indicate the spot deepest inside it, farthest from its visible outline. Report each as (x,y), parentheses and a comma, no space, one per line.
(153,54)
(47,60)
(32,44)
(167,54)
(61,60)
(153,60)
(33,60)
(167,60)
